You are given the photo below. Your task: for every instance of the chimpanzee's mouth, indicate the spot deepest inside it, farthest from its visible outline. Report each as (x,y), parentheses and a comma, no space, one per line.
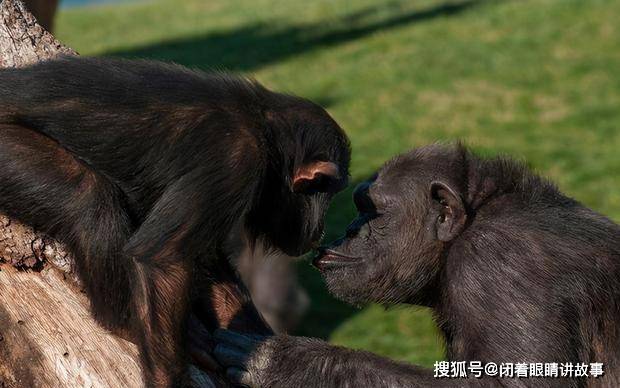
(329,258)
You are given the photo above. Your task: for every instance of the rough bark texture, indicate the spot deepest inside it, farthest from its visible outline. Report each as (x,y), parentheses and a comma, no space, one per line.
(44,11)
(22,39)
(47,335)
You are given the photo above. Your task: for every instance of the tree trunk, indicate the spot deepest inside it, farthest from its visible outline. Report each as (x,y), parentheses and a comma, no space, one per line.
(44,11)
(47,335)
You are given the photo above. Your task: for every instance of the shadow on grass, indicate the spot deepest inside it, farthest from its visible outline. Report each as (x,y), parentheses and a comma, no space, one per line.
(256,45)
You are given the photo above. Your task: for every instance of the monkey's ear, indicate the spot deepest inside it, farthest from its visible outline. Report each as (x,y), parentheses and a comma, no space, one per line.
(316,177)
(452,215)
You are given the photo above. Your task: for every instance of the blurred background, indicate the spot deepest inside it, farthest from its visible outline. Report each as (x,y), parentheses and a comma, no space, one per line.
(538,79)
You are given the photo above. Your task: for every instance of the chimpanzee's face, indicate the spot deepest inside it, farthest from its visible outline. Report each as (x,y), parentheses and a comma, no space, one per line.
(313,166)
(390,253)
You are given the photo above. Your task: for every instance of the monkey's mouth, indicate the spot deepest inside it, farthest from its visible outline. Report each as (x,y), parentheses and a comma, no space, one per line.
(329,258)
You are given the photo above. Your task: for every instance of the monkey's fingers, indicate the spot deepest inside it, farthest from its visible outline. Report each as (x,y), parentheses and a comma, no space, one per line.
(240,377)
(198,335)
(230,356)
(203,360)
(244,342)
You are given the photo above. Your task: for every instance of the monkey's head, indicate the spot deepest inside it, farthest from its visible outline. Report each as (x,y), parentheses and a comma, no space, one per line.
(409,211)
(308,164)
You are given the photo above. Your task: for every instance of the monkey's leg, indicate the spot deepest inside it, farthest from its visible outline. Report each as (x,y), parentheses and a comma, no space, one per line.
(223,301)
(162,300)
(163,251)
(46,187)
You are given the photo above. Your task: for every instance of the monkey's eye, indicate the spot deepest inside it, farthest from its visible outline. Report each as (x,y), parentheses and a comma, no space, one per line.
(362,200)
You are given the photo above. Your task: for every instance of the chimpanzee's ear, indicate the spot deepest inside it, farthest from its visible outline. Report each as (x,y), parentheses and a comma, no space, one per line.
(452,215)
(317,176)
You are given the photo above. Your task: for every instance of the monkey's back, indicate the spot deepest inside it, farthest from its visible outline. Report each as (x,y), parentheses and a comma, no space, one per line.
(71,97)
(130,118)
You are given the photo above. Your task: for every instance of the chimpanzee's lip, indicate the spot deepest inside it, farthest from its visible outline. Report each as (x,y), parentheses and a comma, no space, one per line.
(331,258)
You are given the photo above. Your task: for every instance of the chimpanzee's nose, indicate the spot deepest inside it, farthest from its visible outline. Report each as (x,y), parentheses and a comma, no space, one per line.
(362,200)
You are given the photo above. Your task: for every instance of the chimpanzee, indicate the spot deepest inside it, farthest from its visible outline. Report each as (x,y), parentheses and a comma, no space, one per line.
(147,170)
(513,270)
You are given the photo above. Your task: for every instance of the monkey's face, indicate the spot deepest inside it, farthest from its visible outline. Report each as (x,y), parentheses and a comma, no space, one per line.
(390,252)
(312,167)
(307,197)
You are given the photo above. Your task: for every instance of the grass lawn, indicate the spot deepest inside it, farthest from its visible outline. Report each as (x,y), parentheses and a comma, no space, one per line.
(536,79)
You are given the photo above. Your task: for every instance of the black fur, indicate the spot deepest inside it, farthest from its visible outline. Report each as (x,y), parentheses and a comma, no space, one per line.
(514,271)
(145,169)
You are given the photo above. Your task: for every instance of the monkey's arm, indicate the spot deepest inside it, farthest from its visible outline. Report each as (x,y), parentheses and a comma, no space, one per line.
(287,361)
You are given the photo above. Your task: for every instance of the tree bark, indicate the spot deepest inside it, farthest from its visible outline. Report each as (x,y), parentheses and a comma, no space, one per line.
(47,335)
(44,11)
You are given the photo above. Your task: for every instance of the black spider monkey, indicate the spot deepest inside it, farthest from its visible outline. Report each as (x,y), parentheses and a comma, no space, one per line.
(145,170)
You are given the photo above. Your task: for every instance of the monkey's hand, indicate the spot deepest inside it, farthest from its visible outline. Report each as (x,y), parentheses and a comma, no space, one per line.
(287,361)
(201,345)
(271,361)
(245,357)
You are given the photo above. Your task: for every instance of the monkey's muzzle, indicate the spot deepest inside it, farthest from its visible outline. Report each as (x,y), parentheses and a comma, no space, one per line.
(330,258)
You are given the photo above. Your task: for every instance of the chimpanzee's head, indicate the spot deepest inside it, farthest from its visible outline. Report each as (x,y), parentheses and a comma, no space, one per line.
(408,211)
(308,164)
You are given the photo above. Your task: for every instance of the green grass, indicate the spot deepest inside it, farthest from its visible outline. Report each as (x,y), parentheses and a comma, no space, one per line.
(539,80)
